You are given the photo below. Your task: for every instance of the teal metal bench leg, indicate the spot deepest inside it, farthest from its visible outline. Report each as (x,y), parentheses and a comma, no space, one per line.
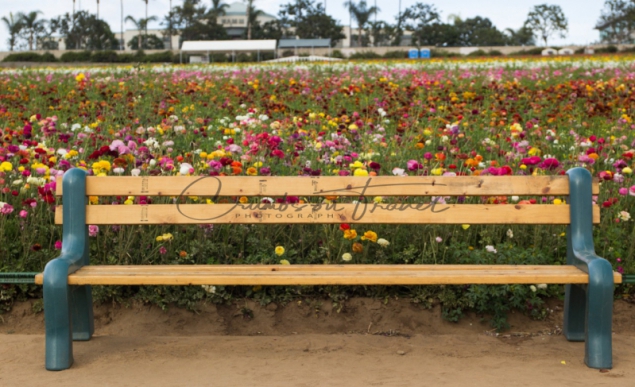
(574,313)
(590,312)
(82,312)
(598,346)
(57,298)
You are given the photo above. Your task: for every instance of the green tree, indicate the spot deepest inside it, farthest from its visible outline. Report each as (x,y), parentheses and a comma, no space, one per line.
(84,31)
(437,34)
(617,22)
(196,23)
(150,42)
(218,8)
(545,20)
(31,26)
(362,13)
(141,24)
(520,37)
(479,31)
(307,19)
(14,25)
(418,19)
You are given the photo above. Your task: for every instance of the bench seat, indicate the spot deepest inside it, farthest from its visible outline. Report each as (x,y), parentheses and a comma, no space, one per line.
(327,275)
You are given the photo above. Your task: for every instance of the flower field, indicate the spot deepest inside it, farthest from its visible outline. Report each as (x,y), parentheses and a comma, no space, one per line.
(460,117)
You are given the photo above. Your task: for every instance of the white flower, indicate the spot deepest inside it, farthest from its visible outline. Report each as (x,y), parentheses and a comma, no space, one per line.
(382,242)
(510,233)
(491,249)
(399,172)
(347,257)
(515,198)
(118,170)
(185,168)
(533,288)
(541,286)
(624,216)
(209,288)
(135,172)
(263,117)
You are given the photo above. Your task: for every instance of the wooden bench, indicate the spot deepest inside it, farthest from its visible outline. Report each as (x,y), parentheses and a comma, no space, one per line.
(589,279)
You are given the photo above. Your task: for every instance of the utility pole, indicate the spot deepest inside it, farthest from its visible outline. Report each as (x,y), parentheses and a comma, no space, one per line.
(97,9)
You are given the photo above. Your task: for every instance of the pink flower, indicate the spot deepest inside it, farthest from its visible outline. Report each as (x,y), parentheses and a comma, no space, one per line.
(93,230)
(413,165)
(58,245)
(23,214)
(550,163)
(533,160)
(6,209)
(623,191)
(631,191)
(163,250)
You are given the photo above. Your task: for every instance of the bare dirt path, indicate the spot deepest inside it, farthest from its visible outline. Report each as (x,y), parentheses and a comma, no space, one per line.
(366,344)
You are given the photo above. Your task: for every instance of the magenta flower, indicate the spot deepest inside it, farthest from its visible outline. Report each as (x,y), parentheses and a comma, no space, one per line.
(58,245)
(533,160)
(550,163)
(413,165)
(163,250)
(6,209)
(24,214)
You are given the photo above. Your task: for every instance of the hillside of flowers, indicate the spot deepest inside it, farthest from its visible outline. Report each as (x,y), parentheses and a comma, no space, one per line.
(461,117)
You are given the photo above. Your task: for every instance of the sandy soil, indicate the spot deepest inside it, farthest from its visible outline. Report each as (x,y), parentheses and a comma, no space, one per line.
(367,343)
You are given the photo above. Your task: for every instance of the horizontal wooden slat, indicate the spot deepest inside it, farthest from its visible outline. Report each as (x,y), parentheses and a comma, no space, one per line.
(327,185)
(327,275)
(338,213)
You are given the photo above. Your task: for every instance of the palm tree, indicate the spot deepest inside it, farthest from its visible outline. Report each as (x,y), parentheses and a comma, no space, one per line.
(218,8)
(250,9)
(141,24)
(362,13)
(252,19)
(14,25)
(31,24)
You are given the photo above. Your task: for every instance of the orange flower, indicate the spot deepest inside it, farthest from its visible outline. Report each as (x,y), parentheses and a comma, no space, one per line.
(370,236)
(243,200)
(182,254)
(350,234)
(357,247)
(251,171)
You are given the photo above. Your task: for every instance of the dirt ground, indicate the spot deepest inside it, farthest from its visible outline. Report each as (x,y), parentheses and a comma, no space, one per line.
(366,343)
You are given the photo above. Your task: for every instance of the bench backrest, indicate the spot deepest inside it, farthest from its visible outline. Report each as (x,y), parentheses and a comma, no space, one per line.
(402,208)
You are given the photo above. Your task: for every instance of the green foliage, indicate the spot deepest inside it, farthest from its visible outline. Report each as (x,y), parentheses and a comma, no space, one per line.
(396,54)
(30,57)
(546,20)
(76,56)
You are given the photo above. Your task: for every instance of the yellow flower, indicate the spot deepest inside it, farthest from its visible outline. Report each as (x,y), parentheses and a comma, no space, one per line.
(159,238)
(346,257)
(80,77)
(534,152)
(284,262)
(279,250)
(243,200)
(251,171)
(350,234)
(465,226)
(93,199)
(437,171)
(167,237)
(129,201)
(370,236)
(558,202)
(6,167)
(356,164)
(101,166)
(360,172)
(627,171)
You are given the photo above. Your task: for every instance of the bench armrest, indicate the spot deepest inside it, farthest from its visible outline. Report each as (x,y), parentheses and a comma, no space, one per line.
(580,247)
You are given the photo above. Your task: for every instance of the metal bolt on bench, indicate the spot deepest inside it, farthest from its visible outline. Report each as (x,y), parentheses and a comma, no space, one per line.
(589,279)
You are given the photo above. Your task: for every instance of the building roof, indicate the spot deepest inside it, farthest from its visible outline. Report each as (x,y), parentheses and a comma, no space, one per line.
(228,45)
(240,9)
(303,43)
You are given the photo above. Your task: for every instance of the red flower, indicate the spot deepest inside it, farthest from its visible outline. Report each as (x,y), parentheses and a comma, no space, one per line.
(345,226)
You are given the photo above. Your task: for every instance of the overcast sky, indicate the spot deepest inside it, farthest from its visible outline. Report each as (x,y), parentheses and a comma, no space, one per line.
(581,14)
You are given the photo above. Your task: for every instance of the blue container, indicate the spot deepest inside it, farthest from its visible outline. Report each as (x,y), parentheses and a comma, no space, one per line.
(413,54)
(424,53)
